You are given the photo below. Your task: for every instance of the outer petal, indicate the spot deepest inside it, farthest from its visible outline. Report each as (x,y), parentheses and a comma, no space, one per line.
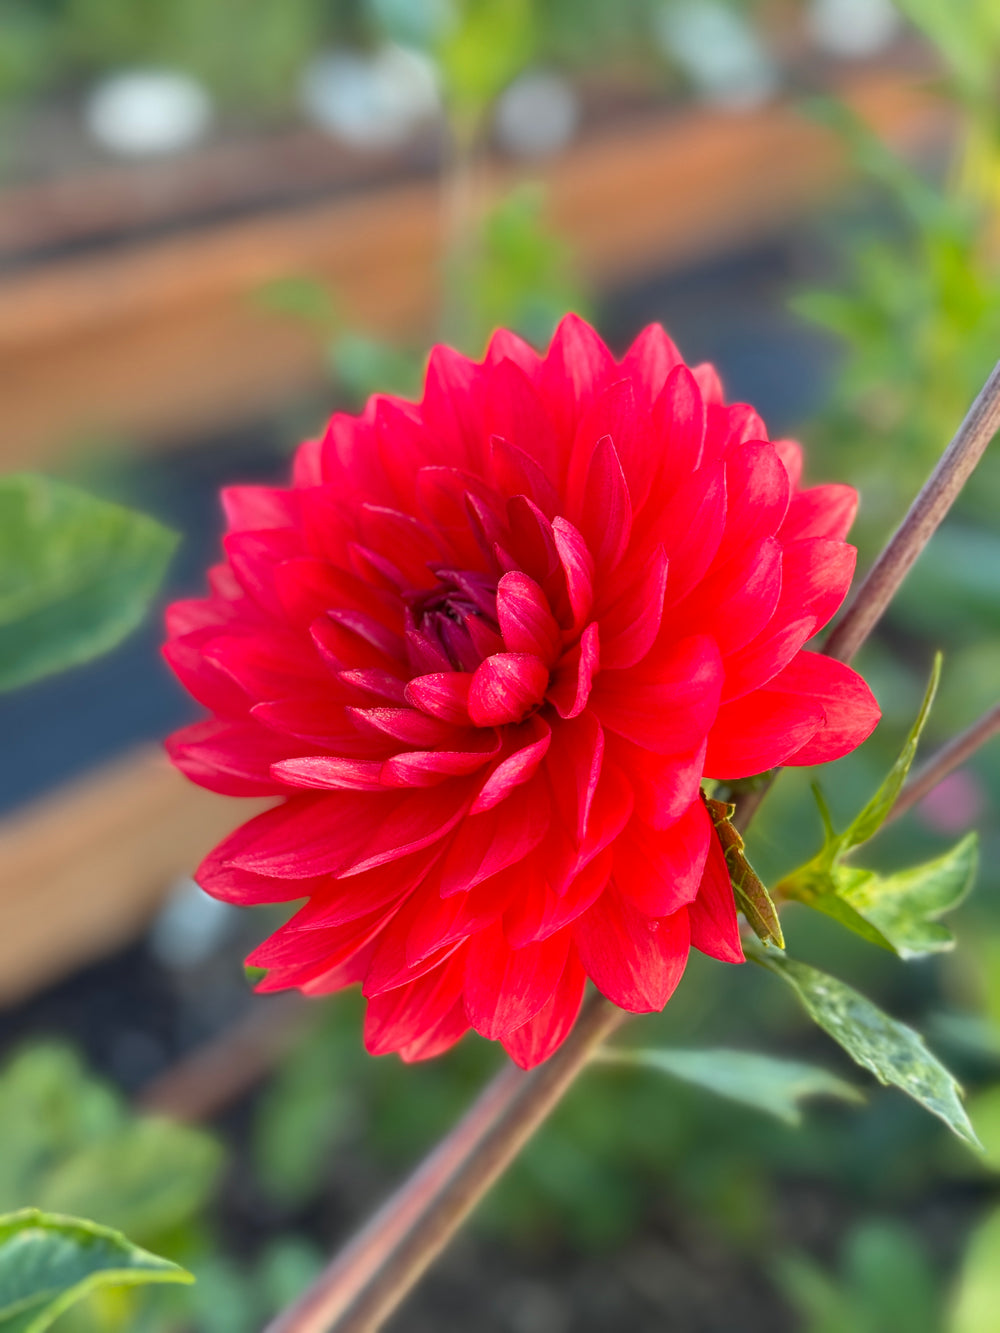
(714,926)
(635,960)
(537,1039)
(852,712)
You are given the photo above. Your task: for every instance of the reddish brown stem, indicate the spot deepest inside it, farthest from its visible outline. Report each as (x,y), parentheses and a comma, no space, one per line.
(365,1283)
(938,494)
(946,760)
(880,585)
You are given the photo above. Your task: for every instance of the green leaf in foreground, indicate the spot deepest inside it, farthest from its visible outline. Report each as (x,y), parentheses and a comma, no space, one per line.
(49,1262)
(761,1081)
(893,1052)
(76,575)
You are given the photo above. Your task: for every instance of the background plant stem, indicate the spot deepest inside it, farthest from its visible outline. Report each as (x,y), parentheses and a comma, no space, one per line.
(365,1283)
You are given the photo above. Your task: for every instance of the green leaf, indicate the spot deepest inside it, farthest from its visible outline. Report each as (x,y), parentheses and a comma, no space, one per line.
(76,575)
(897,912)
(904,907)
(893,1052)
(752,897)
(868,822)
(761,1081)
(49,1262)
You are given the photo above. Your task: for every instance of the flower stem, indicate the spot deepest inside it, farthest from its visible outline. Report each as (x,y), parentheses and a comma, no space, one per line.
(946,760)
(938,494)
(363,1285)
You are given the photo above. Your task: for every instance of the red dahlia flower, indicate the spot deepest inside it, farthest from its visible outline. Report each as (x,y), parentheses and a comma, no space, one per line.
(485,648)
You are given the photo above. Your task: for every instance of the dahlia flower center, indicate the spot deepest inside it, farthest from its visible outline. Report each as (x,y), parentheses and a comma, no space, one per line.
(458,617)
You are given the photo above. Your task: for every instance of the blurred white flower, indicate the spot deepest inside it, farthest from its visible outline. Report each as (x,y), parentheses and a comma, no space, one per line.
(537,114)
(144,112)
(190,926)
(853,29)
(370,101)
(719,52)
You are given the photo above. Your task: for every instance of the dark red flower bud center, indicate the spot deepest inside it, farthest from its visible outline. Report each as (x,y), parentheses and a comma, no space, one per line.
(458,618)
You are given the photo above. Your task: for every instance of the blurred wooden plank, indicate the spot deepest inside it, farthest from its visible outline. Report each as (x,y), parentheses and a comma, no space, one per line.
(162,339)
(82,870)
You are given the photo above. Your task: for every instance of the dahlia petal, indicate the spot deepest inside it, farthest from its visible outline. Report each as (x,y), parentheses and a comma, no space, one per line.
(295,955)
(821,511)
(392,966)
(517,473)
(443,921)
(678,418)
(259,507)
(308,587)
(381,684)
(267,667)
(506,987)
(410,726)
(537,1039)
(516,769)
(451,406)
(531,544)
(761,730)
(634,960)
(606,509)
(438,1038)
(307,465)
(347,973)
(340,647)
(487,843)
(715,929)
(665,785)
(443,695)
(427,768)
(690,526)
(576,368)
(202,678)
(402,1017)
(632,621)
(329,772)
(222,880)
(505,687)
(709,385)
(526,622)
(650,360)
(790,453)
(336,901)
(317,719)
(442,498)
(659,871)
(612,415)
(849,705)
(761,659)
(403,445)
(367,627)
(669,711)
(538,911)
(729,426)
(578,568)
(253,556)
(507,346)
(574,763)
(816,576)
(735,602)
(759,490)
(408,542)
(571,681)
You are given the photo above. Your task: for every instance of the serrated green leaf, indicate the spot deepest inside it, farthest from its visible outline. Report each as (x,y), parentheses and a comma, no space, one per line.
(76,575)
(893,1052)
(752,897)
(761,1081)
(904,907)
(49,1262)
